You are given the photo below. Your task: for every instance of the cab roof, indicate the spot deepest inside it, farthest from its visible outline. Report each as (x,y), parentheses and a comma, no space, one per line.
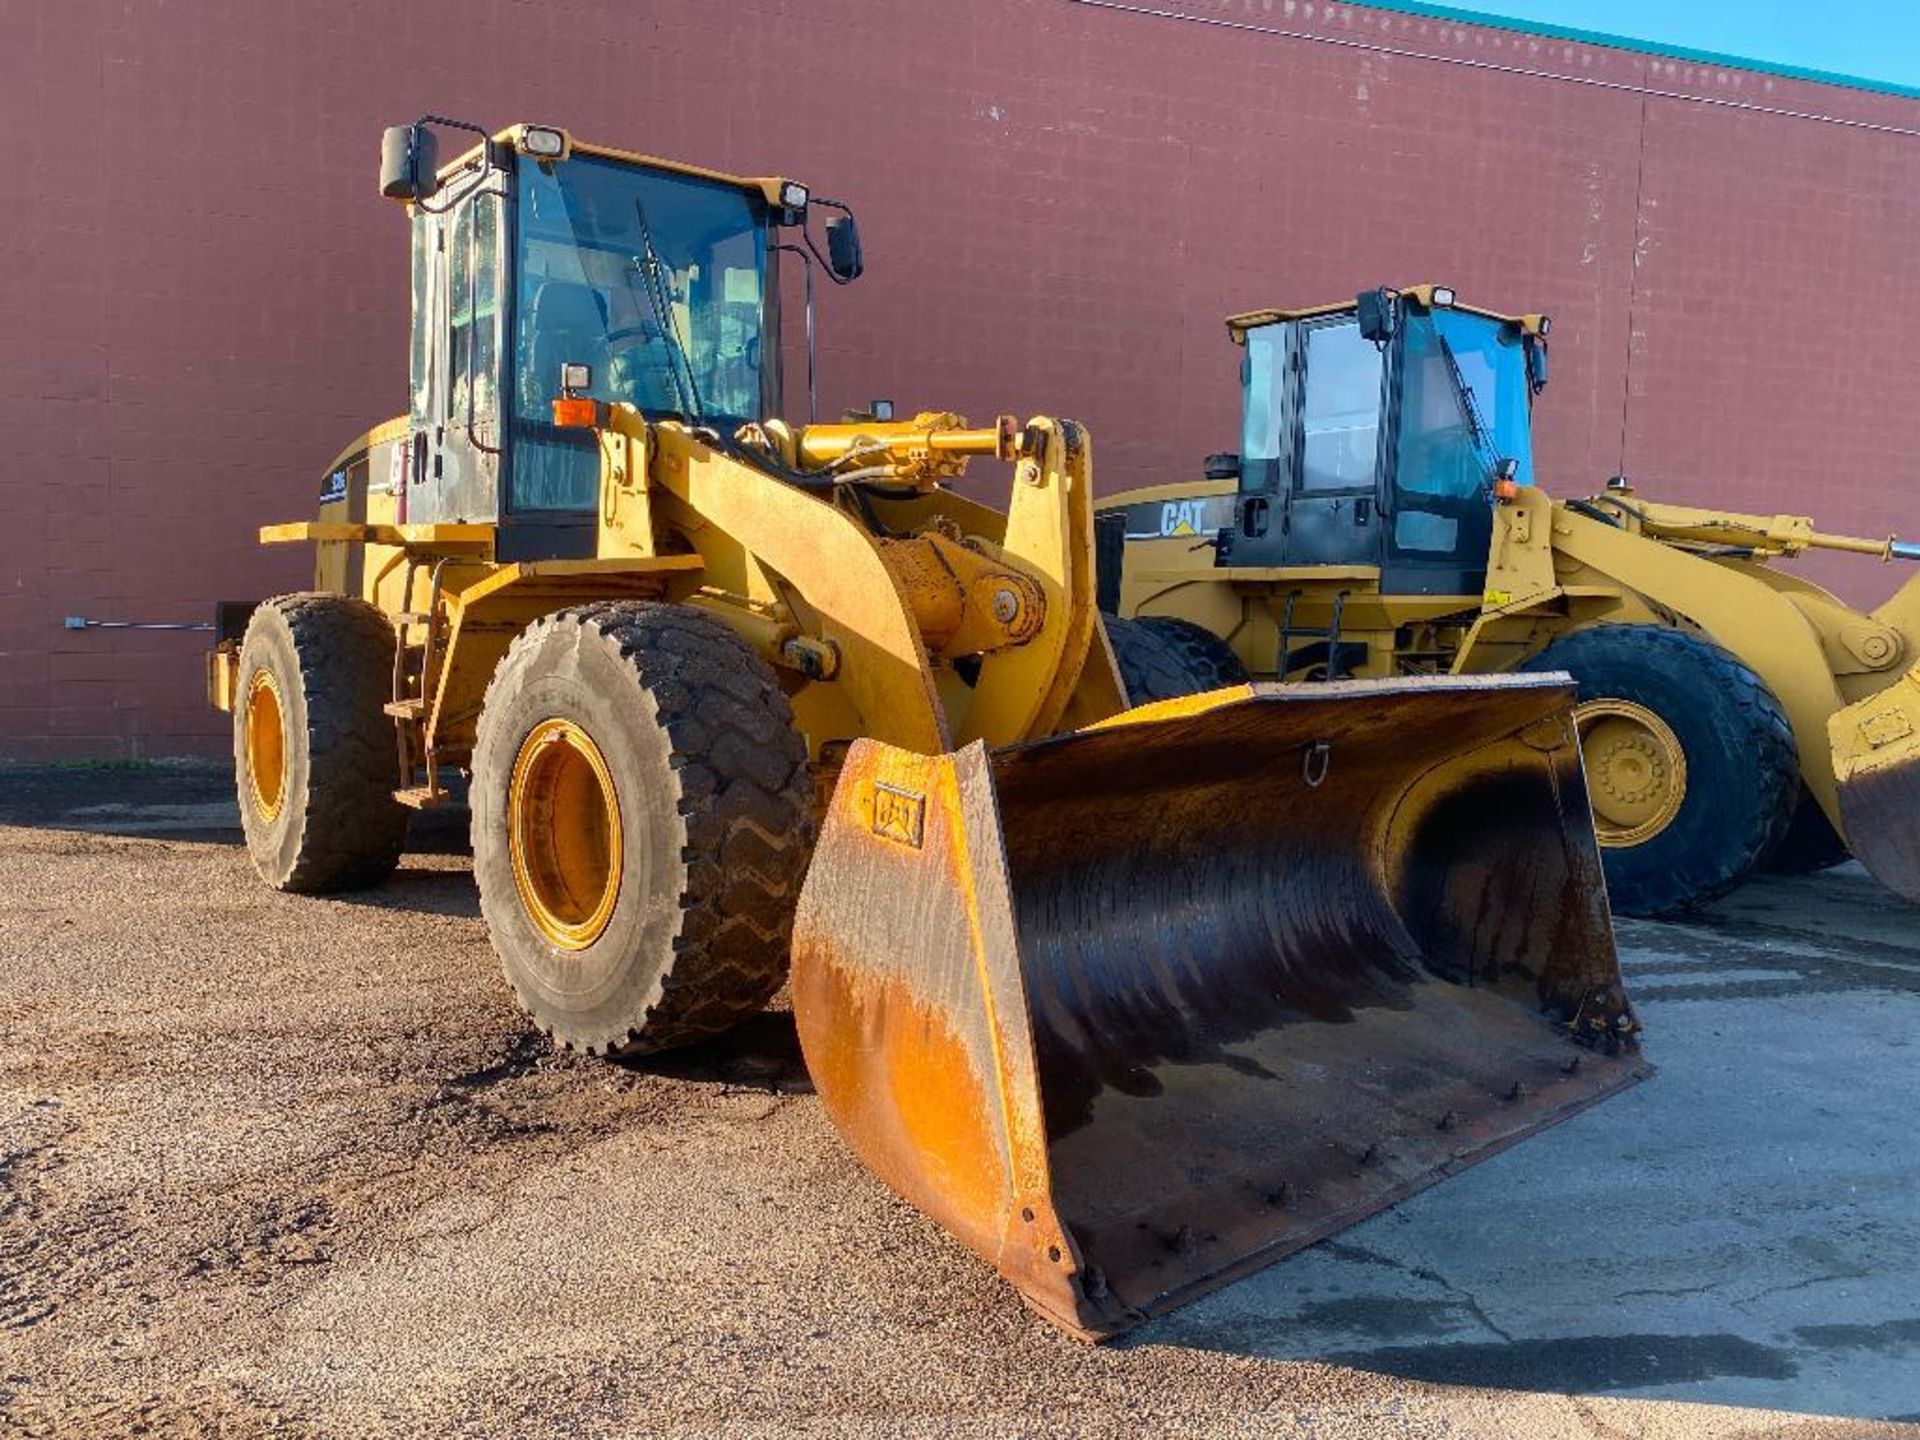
(1421,295)
(768,187)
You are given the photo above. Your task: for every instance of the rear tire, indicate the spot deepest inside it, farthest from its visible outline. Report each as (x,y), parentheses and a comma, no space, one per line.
(1742,770)
(315,757)
(1150,668)
(642,820)
(1207,657)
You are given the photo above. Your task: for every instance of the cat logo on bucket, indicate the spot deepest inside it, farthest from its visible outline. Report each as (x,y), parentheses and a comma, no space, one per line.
(898,814)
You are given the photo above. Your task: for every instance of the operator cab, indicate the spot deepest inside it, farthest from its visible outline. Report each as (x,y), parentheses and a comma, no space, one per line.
(654,283)
(1377,433)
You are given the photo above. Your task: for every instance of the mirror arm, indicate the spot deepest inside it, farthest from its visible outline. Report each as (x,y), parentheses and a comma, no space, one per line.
(486,161)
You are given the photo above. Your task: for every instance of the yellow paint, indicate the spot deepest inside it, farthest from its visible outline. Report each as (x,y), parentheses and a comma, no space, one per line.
(264,727)
(1636,770)
(424,537)
(383,433)
(564,834)
(1879,732)
(1024,691)
(626,510)
(223,674)
(964,601)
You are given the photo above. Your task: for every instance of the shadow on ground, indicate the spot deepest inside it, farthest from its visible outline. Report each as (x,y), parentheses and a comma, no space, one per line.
(183,800)
(162,800)
(762,1053)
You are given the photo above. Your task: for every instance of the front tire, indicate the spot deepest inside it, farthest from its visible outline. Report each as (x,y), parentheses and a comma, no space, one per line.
(642,820)
(1691,764)
(1207,658)
(1150,668)
(315,757)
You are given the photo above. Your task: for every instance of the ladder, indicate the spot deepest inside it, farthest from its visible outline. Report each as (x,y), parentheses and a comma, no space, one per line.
(408,707)
(1330,637)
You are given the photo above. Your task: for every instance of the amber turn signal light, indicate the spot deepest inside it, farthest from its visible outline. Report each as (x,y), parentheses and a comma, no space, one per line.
(580,412)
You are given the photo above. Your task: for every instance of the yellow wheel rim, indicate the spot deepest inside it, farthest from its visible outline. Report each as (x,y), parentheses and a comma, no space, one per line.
(1636,771)
(563,829)
(266,739)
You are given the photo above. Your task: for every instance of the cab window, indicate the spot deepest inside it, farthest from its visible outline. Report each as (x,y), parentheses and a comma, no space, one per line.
(1340,409)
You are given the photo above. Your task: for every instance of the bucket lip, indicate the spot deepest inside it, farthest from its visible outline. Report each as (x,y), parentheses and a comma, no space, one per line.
(1626,1069)
(1265,692)
(1403,684)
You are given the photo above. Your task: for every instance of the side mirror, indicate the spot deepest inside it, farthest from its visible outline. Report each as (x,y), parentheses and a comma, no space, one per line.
(843,248)
(409,163)
(1536,363)
(1377,315)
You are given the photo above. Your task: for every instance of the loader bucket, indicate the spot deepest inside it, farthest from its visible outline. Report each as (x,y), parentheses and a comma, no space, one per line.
(1876,764)
(1139,1008)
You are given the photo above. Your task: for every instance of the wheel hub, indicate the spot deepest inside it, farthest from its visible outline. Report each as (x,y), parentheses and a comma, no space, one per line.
(266,744)
(564,834)
(1636,770)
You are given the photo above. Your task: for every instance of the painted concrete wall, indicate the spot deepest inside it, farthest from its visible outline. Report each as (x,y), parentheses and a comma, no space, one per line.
(204,297)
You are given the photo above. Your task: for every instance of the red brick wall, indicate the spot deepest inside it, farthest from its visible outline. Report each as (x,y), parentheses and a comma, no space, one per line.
(204,296)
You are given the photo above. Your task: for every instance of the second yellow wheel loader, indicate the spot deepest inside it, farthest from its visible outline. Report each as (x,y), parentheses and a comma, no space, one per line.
(1129,1000)
(1381,519)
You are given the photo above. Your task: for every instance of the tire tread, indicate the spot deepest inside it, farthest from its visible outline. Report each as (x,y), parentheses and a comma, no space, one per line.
(744,795)
(1206,657)
(354,830)
(1760,732)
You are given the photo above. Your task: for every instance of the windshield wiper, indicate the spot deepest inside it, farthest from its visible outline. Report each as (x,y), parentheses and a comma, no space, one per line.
(1478,430)
(652,273)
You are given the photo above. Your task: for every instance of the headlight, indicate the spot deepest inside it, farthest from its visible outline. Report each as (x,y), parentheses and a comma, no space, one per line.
(1442,296)
(543,142)
(793,195)
(575,376)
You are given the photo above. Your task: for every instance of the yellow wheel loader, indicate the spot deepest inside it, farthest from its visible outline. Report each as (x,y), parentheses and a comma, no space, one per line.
(1381,520)
(1129,1000)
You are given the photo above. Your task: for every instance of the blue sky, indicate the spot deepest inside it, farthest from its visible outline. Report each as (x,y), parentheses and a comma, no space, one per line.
(1874,39)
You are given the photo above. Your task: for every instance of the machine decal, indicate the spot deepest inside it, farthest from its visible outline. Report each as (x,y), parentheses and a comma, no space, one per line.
(898,814)
(1171,519)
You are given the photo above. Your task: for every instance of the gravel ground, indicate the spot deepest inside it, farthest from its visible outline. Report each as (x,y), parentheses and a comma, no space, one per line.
(288,1166)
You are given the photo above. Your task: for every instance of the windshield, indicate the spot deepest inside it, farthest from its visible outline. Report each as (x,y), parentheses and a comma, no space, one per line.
(656,281)
(1450,444)
(1464,404)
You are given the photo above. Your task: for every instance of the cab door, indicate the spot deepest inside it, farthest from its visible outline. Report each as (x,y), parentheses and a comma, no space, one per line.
(454,442)
(1332,514)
